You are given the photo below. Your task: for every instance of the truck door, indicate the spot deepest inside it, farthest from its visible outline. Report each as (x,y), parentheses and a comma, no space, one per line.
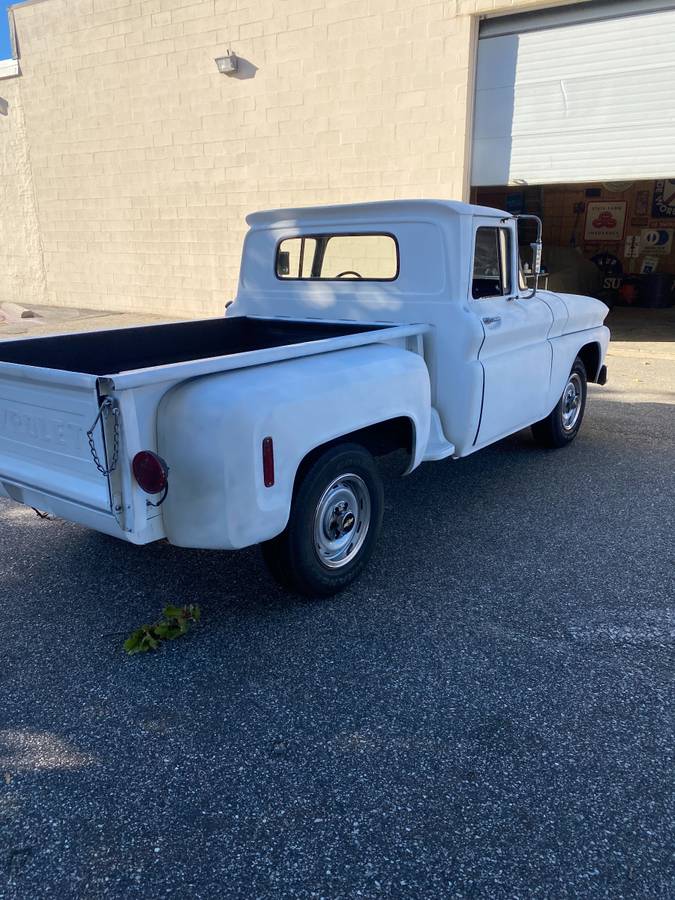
(515,353)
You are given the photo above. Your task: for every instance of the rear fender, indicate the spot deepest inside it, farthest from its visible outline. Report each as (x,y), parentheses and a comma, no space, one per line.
(210,432)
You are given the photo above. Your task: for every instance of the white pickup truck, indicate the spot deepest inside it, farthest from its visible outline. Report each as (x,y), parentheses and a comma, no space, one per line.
(357,330)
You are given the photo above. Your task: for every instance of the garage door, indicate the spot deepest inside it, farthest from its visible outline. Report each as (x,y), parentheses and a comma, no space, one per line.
(576,94)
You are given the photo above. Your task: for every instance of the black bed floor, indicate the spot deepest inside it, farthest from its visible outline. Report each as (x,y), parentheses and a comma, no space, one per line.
(124,349)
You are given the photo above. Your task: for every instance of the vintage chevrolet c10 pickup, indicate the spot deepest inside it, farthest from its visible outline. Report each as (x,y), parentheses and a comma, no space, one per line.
(356,330)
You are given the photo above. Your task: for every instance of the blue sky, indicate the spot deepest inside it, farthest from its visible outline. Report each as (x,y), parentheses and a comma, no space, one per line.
(5,52)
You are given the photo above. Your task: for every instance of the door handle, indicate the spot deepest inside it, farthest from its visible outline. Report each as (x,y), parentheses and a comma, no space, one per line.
(491,320)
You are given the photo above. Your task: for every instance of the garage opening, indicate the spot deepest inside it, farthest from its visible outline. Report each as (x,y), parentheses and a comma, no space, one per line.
(574,122)
(608,240)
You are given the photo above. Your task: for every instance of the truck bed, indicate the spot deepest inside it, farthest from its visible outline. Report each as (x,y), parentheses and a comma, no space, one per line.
(51,390)
(110,352)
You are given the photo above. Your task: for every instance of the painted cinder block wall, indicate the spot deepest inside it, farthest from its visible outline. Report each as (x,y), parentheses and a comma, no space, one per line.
(22,277)
(128,163)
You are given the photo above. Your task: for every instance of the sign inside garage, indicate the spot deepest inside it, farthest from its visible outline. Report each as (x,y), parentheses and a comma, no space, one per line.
(657,240)
(605,220)
(663,205)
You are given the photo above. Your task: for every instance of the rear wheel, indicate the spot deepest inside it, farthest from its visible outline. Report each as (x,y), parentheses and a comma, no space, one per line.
(335,518)
(562,425)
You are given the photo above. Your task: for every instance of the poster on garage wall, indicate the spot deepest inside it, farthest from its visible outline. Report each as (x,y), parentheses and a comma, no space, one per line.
(641,207)
(663,204)
(657,240)
(605,221)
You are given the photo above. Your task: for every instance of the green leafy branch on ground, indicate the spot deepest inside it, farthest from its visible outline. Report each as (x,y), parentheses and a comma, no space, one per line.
(176,621)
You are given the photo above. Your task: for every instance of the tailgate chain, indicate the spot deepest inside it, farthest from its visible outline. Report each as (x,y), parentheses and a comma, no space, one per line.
(107,407)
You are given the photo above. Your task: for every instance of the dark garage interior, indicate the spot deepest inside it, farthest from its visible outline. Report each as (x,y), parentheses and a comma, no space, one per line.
(613,240)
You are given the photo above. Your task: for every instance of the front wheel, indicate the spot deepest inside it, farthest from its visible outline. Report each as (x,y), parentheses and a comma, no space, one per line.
(562,425)
(335,518)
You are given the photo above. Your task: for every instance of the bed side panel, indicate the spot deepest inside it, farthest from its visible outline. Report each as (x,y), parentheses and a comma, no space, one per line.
(210,432)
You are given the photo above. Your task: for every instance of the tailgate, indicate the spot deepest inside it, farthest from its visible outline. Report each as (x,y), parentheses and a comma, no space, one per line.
(44,418)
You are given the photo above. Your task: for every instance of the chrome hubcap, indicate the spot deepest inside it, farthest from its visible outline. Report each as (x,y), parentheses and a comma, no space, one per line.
(571,402)
(342,520)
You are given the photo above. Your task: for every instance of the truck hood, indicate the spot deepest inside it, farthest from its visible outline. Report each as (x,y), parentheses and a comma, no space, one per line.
(582,312)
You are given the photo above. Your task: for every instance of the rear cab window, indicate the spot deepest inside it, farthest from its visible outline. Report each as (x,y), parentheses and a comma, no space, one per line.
(329,257)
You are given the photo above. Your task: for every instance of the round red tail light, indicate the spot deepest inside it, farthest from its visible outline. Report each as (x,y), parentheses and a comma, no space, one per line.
(150,471)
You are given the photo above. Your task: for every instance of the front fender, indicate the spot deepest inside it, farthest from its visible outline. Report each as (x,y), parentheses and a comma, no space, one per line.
(210,432)
(566,349)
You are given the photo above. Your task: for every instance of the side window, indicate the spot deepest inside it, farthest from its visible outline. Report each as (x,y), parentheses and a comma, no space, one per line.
(492,263)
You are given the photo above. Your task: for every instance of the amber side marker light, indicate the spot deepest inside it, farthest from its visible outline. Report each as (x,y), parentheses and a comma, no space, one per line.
(150,471)
(268,461)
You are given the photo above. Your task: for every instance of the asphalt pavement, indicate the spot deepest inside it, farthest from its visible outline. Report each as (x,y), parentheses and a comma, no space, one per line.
(488,712)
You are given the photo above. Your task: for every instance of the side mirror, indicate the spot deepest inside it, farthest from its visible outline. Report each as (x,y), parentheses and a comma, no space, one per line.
(536,253)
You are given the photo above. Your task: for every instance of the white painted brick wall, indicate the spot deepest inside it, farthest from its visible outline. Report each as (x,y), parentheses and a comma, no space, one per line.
(22,278)
(145,160)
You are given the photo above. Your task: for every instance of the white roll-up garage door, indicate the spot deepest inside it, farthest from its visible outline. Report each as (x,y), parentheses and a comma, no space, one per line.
(578,94)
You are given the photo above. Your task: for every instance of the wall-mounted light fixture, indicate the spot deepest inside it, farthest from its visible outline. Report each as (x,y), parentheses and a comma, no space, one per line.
(227,65)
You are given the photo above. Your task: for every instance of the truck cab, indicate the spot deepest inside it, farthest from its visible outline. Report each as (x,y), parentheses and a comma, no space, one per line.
(495,350)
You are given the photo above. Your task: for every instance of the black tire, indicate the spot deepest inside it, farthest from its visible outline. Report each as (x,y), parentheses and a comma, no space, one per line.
(294,558)
(553,432)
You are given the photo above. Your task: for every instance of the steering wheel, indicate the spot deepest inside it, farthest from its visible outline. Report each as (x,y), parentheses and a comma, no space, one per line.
(349,272)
